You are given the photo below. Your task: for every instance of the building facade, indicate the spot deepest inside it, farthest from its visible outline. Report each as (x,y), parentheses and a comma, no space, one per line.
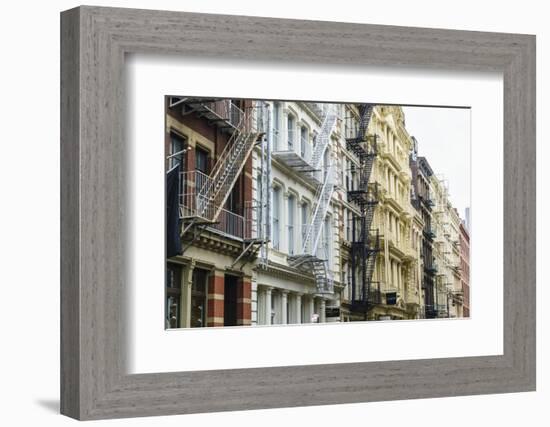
(396,279)
(300,212)
(422,200)
(446,223)
(204,287)
(464,237)
(297,278)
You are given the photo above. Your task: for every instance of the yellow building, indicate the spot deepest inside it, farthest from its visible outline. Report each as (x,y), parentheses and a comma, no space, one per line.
(396,279)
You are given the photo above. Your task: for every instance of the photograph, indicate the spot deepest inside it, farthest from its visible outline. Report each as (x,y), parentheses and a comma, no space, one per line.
(296,212)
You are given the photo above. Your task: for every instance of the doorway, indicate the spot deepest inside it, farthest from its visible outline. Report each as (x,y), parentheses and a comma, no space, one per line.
(231,284)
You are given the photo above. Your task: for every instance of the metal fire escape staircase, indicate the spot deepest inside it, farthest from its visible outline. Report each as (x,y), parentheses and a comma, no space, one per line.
(214,191)
(311,257)
(365,245)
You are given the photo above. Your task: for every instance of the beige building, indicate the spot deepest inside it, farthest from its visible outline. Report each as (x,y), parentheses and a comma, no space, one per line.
(446,225)
(397,272)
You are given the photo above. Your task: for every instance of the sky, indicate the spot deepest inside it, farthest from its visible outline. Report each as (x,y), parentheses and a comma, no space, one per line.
(443,136)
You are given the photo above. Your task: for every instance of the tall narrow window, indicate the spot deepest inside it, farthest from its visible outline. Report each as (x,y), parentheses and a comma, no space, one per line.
(349,221)
(303,141)
(304,220)
(290,132)
(276,215)
(198,298)
(173,296)
(276,125)
(326,162)
(291,223)
(347,171)
(328,240)
(176,155)
(201,160)
(231,283)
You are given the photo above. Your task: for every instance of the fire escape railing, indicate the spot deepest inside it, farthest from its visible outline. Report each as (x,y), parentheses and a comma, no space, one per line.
(202,196)
(322,169)
(365,244)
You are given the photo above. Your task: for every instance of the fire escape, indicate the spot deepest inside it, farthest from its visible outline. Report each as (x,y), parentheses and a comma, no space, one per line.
(319,170)
(202,196)
(365,244)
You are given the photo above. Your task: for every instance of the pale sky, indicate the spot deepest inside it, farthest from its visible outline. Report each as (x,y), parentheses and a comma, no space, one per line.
(443,136)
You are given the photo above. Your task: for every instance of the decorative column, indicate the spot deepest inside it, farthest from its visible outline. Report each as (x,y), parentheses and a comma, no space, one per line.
(310,309)
(297,309)
(267,307)
(216,281)
(186,283)
(244,301)
(386,251)
(322,314)
(260,305)
(284,314)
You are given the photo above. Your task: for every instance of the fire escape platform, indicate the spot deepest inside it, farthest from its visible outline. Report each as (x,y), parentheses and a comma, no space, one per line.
(297,260)
(361,197)
(355,145)
(293,160)
(201,107)
(193,217)
(297,163)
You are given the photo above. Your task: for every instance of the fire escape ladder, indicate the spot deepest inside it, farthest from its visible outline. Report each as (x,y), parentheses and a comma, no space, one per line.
(323,277)
(214,193)
(365,245)
(309,256)
(323,138)
(314,230)
(226,171)
(209,193)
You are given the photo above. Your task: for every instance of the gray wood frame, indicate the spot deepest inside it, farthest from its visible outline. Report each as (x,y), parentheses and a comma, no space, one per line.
(94,40)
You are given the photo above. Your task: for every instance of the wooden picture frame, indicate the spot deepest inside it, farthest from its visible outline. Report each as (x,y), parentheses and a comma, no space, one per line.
(94,41)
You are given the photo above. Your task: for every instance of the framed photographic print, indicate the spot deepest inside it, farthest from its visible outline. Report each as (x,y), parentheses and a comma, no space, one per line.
(282,213)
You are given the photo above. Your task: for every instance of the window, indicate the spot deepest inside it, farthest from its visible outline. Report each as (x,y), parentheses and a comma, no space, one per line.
(326,162)
(303,141)
(176,154)
(353,179)
(231,284)
(349,220)
(173,296)
(276,124)
(198,298)
(304,220)
(291,223)
(348,171)
(234,203)
(328,240)
(351,125)
(290,132)
(276,216)
(201,160)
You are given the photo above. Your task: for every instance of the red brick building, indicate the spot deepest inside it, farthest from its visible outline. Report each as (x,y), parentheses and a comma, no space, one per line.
(204,284)
(465,268)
